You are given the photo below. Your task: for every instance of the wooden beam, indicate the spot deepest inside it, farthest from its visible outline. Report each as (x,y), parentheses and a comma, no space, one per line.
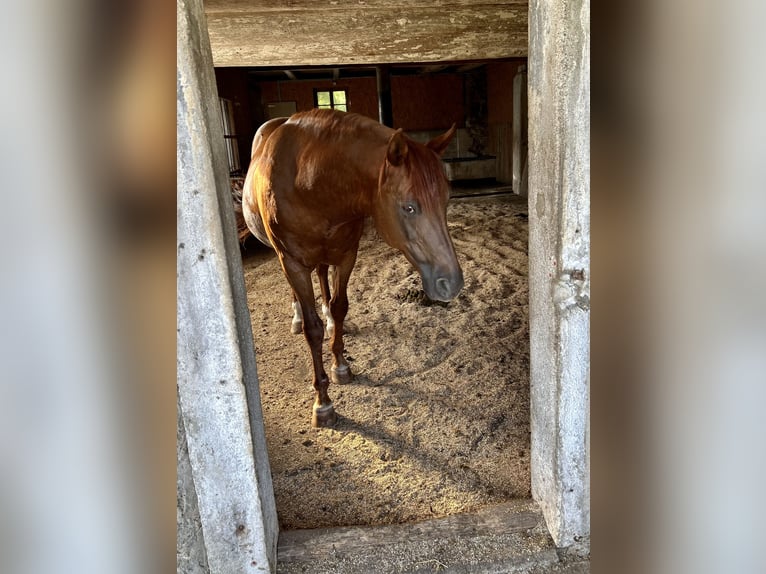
(468,67)
(234,6)
(433,69)
(385,104)
(289,74)
(273,33)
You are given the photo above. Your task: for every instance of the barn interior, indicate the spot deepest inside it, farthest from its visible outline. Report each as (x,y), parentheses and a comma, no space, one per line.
(422,99)
(455,426)
(471,376)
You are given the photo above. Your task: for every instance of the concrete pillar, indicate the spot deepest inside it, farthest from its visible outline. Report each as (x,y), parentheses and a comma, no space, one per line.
(217,379)
(519,141)
(559,263)
(385,107)
(190,545)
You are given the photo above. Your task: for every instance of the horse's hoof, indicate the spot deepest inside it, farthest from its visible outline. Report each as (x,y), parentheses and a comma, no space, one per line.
(323,417)
(297,327)
(340,375)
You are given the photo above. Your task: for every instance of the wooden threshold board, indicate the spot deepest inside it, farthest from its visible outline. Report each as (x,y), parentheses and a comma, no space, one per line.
(510,537)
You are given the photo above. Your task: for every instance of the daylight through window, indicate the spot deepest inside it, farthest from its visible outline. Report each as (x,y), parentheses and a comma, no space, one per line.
(331,99)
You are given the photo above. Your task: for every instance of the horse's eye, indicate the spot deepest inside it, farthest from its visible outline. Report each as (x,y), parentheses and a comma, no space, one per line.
(409,208)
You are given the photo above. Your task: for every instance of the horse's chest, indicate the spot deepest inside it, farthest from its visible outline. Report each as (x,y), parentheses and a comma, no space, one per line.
(341,234)
(324,243)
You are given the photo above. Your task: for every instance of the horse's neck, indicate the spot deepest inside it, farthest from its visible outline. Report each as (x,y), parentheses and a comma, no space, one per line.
(365,161)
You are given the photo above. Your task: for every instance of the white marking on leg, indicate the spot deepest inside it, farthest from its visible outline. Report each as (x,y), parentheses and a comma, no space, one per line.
(328,319)
(297,325)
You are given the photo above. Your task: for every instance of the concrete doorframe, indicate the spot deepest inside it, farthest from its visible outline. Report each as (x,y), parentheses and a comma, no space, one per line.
(228,484)
(229,492)
(559,263)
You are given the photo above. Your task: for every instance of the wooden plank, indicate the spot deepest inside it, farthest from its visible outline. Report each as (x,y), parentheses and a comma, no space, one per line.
(231,6)
(502,134)
(506,519)
(368,35)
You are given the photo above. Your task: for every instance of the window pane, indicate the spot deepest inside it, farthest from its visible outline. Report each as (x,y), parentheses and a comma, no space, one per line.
(339,97)
(323,99)
(341,107)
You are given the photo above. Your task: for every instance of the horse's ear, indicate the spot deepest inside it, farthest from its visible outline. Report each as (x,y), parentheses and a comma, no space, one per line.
(397,148)
(440,143)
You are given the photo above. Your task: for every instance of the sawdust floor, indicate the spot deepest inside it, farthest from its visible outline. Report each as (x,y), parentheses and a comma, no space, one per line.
(436,419)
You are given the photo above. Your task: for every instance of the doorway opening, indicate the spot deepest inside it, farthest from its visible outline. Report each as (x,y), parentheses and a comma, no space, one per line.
(436,420)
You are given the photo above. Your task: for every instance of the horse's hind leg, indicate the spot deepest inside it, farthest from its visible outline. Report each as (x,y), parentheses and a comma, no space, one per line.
(296,326)
(300,280)
(340,371)
(297,323)
(324,286)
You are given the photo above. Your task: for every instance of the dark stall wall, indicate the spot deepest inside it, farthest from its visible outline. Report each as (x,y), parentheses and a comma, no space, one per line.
(500,90)
(232,85)
(500,115)
(361,93)
(431,102)
(419,102)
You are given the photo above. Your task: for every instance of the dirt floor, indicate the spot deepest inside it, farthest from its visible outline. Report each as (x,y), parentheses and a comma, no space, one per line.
(436,419)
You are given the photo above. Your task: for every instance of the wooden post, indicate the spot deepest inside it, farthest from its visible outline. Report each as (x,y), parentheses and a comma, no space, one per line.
(217,379)
(519,128)
(385,108)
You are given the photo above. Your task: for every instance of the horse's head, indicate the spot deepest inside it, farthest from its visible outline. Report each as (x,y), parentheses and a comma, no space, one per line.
(411,212)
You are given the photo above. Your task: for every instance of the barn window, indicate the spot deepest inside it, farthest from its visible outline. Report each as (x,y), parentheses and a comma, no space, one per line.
(331,99)
(229,134)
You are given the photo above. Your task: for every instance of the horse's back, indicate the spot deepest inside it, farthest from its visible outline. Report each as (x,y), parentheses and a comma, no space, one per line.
(304,173)
(274,164)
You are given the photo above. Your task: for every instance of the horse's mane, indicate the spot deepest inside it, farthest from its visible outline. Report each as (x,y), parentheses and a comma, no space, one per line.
(426,170)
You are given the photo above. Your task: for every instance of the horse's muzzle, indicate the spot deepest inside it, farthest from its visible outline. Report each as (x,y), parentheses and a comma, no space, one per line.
(445,287)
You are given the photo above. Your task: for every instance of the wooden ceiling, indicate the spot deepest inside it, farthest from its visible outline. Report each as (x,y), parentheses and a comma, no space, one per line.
(337,72)
(290,33)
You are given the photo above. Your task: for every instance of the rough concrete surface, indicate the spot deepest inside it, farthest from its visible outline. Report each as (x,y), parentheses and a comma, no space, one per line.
(190,546)
(216,371)
(559,269)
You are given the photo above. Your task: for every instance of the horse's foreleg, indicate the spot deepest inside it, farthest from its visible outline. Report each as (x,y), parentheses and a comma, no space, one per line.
(300,280)
(324,286)
(340,371)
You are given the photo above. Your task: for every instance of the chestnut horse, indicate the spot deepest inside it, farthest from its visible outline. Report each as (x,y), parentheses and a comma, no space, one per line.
(313,180)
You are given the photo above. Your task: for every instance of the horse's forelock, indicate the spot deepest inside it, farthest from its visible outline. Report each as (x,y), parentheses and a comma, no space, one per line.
(426,175)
